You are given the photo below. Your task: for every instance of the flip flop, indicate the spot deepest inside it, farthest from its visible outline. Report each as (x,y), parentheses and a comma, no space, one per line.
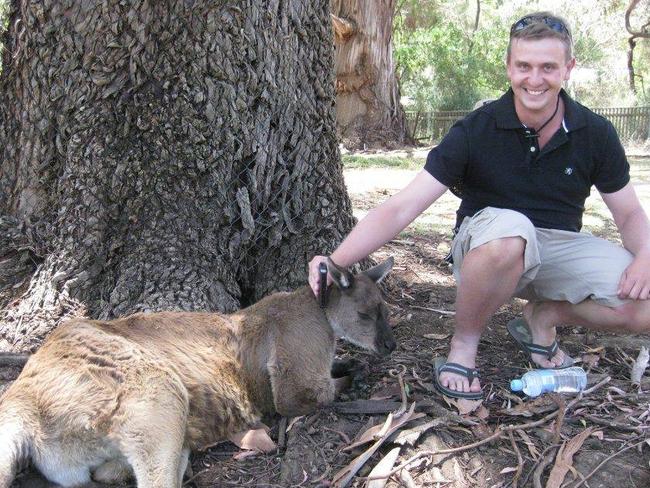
(441,365)
(520,332)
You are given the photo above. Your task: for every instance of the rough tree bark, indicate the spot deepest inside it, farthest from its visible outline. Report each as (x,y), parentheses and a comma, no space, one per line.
(642,32)
(163,155)
(368,108)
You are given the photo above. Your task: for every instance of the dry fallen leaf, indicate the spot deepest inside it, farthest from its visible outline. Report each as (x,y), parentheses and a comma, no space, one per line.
(370,434)
(254,440)
(437,476)
(640,366)
(293,422)
(483,413)
(530,445)
(507,470)
(345,475)
(410,436)
(383,468)
(532,407)
(465,406)
(564,458)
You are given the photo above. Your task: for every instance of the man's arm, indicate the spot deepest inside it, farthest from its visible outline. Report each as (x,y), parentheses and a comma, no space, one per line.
(632,222)
(383,223)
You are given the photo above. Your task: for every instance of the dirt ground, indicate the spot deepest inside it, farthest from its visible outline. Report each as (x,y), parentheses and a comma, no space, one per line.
(594,440)
(606,428)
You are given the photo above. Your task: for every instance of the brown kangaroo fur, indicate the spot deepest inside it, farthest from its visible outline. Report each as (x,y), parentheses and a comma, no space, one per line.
(107,400)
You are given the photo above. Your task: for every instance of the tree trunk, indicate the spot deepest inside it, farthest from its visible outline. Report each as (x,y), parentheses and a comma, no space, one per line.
(368,109)
(642,32)
(165,155)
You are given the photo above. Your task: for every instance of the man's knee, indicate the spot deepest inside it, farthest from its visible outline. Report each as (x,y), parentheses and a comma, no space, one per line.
(504,252)
(636,316)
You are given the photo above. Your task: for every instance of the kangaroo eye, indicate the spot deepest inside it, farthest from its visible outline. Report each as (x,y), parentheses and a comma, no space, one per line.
(364,316)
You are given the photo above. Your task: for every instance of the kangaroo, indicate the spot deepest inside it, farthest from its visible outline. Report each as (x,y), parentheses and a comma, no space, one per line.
(107,400)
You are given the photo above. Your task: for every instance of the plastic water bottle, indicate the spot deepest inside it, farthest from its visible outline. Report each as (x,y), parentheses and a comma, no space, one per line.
(536,382)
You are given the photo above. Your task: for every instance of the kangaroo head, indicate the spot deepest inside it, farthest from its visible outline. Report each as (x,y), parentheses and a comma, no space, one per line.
(356,309)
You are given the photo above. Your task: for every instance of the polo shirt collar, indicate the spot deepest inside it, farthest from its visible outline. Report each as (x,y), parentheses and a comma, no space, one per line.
(506,116)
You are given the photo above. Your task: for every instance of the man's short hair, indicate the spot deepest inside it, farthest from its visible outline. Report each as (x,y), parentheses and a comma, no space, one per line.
(542,25)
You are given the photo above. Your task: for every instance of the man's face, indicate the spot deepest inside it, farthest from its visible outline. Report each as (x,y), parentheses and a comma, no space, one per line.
(537,69)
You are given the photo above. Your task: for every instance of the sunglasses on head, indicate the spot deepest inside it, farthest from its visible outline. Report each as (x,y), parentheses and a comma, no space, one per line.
(552,22)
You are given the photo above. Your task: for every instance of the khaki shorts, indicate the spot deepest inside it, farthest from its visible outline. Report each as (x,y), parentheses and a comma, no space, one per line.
(558,264)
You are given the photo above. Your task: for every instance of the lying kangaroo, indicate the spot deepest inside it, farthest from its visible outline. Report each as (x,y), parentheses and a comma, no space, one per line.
(108,400)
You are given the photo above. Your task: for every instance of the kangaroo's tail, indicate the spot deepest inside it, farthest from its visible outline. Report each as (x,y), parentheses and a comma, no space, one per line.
(15,440)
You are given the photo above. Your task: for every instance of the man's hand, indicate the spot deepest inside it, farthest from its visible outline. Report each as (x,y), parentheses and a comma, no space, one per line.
(635,280)
(314,275)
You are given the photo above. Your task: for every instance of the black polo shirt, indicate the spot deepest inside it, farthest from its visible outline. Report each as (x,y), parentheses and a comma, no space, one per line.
(488,161)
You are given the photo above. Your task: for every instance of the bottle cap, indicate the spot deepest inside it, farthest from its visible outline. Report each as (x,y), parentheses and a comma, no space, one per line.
(516,385)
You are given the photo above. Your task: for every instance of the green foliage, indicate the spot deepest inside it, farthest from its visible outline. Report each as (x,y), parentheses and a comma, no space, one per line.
(447,62)
(444,67)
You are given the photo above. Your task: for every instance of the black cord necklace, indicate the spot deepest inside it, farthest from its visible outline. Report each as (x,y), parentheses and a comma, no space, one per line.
(535,133)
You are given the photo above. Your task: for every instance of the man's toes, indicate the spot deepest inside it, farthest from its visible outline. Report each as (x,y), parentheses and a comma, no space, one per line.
(559,358)
(542,361)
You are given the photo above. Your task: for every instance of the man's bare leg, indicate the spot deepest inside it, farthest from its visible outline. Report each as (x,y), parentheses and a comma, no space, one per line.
(488,278)
(542,317)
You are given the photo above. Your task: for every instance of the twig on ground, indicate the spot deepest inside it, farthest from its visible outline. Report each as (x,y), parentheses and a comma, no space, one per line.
(539,460)
(501,430)
(561,412)
(343,435)
(441,312)
(615,425)
(344,476)
(399,373)
(520,460)
(607,459)
(406,479)
(539,470)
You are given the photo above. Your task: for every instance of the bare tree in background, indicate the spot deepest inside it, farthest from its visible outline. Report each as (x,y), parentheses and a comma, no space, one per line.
(642,32)
(162,155)
(368,108)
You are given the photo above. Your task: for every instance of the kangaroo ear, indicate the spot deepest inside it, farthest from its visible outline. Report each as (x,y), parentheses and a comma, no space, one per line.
(342,277)
(379,272)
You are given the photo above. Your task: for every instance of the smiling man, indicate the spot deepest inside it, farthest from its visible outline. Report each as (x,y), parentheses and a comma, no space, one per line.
(523,166)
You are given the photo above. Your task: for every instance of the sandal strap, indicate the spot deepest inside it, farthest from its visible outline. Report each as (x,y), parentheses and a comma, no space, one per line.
(469,373)
(549,351)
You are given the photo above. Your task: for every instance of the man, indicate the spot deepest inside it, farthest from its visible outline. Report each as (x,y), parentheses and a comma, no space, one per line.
(523,167)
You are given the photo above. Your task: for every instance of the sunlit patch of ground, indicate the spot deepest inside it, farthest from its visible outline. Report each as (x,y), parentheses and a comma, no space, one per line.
(375,182)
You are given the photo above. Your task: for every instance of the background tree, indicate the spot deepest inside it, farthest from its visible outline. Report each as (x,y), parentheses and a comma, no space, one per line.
(163,155)
(448,60)
(642,32)
(368,108)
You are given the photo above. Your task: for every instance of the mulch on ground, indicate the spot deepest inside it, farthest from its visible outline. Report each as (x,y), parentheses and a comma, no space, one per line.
(596,439)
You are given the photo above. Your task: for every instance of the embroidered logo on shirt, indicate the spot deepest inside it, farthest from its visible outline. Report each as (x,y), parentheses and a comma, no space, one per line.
(568,170)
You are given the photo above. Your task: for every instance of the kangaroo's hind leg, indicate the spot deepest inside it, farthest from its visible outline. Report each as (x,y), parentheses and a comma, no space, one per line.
(152,434)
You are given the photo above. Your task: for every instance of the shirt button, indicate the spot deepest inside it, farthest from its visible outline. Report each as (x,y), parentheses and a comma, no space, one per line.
(532,148)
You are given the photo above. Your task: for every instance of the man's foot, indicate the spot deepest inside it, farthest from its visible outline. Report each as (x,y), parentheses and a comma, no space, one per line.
(541,318)
(462,353)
